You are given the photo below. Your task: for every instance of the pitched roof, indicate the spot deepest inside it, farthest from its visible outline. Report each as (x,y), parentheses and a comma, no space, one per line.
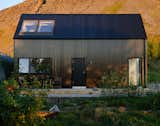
(88,26)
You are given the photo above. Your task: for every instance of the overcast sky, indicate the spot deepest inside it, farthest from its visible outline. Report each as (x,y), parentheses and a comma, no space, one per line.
(7,3)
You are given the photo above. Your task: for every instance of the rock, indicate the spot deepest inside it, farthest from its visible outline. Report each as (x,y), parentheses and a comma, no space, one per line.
(95,89)
(122,109)
(139,91)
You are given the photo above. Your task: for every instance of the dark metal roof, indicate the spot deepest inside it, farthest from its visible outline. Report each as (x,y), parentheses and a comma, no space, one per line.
(88,26)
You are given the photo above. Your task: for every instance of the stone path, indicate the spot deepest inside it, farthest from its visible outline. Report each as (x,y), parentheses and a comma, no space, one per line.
(96,92)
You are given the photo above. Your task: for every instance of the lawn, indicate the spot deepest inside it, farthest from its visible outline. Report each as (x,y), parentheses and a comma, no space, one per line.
(17,109)
(109,111)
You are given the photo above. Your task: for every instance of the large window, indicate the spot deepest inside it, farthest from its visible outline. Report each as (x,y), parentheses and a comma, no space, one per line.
(35,65)
(46,26)
(37,26)
(29,26)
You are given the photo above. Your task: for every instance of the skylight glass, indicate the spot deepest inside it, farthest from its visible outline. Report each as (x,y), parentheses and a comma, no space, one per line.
(46,26)
(29,26)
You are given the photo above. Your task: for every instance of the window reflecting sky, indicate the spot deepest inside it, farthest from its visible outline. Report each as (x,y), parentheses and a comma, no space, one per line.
(23,65)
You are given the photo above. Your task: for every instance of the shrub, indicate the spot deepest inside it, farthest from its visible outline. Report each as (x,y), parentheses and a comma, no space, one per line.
(7,66)
(114,77)
(153,73)
(17,109)
(156,102)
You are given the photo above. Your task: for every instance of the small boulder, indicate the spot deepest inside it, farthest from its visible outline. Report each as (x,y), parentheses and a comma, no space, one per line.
(122,109)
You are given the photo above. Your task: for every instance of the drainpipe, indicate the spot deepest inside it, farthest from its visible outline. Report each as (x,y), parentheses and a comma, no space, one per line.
(146,62)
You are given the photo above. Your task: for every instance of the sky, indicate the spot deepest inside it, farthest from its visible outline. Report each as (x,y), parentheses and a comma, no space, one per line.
(7,3)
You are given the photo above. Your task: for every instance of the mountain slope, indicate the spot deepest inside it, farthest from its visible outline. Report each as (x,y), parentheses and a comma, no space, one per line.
(149,10)
(8,22)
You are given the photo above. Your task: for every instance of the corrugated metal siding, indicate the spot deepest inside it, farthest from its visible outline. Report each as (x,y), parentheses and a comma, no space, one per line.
(99,54)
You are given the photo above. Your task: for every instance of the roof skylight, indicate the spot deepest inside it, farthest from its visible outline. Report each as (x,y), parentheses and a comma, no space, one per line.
(37,26)
(46,26)
(29,26)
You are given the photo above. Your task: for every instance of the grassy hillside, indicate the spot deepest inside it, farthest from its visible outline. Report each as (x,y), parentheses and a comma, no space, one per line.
(149,10)
(8,22)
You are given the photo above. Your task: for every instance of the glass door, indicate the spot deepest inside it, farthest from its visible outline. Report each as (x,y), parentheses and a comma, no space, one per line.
(134,71)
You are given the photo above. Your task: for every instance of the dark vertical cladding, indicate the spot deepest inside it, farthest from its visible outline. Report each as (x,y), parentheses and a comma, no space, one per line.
(100,55)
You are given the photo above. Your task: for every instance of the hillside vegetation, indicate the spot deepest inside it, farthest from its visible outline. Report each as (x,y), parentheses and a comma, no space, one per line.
(10,16)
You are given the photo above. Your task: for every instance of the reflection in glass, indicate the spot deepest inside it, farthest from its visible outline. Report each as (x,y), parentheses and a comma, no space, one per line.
(35,65)
(23,65)
(40,65)
(29,26)
(134,71)
(46,26)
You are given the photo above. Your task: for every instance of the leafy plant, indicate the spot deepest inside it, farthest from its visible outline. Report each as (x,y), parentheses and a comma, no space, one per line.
(156,102)
(153,71)
(16,108)
(113,78)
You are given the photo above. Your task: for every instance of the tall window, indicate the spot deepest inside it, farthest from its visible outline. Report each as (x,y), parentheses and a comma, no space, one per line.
(23,65)
(46,26)
(29,26)
(134,71)
(35,65)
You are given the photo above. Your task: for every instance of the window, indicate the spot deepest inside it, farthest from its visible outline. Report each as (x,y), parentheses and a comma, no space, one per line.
(46,26)
(35,65)
(134,71)
(40,65)
(37,26)
(29,26)
(23,65)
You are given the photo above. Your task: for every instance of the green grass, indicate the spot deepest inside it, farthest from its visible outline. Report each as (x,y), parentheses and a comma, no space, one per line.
(132,103)
(103,111)
(154,71)
(140,111)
